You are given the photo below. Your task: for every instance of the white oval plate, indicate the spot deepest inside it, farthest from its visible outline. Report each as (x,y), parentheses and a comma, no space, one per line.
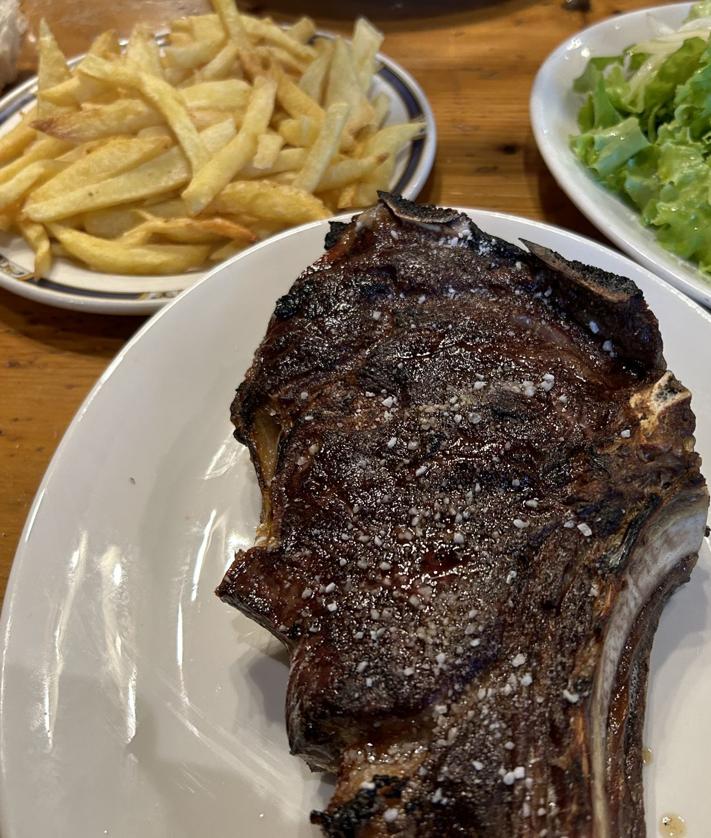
(554,109)
(71,286)
(133,703)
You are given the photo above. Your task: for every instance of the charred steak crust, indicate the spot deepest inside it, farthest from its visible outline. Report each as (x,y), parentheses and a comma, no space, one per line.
(479,488)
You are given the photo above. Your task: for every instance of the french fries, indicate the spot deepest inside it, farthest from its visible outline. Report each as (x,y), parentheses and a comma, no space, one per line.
(161,159)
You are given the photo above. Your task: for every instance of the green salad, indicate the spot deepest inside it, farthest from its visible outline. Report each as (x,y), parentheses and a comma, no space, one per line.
(646,132)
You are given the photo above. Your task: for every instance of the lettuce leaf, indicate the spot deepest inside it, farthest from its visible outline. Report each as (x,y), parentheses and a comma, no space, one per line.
(645,132)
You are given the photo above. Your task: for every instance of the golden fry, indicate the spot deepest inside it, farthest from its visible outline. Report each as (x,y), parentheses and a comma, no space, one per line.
(36,236)
(18,138)
(344,86)
(224,95)
(142,51)
(46,148)
(221,65)
(302,31)
(162,96)
(17,187)
(224,165)
(114,257)
(367,40)
(158,176)
(296,102)
(313,81)
(268,147)
(126,116)
(112,158)
(194,54)
(324,148)
(270,201)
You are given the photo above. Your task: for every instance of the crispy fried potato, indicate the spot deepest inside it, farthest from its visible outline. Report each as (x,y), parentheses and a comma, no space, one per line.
(288,160)
(188,230)
(46,148)
(115,257)
(17,187)
(367,40)
(344,86)
(36,236)
(224,165)
(313,81)
(163,174)
(221,65)
(18,138)
(112,158)
(110,223)
(267,31)
(302,31)
(162,96)
(392,138)
(324,148)
(223,95)
(296,102)
(300,132)
(142,51)
(127,116)
(345,171)
(268,147)
(52,67)
(270,201)
(193,54)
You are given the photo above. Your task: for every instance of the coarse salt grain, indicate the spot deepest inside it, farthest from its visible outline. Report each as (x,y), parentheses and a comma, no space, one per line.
(585,530)
(390,815)
(570,696)
(458,538)
(526,679)
(626,433)
(520,524)
(392,442)
(332,606)
(362,666)
(519,660)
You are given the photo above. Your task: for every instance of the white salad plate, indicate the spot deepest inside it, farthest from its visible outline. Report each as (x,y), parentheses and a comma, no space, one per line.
(133,703)
(69,285)
(554,109)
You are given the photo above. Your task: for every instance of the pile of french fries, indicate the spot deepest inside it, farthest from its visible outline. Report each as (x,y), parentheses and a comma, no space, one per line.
(156,158)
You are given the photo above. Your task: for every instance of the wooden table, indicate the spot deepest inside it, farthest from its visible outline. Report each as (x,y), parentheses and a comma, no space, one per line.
(476,62)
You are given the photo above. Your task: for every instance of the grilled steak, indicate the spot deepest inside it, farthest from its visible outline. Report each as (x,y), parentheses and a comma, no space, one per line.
(479,490)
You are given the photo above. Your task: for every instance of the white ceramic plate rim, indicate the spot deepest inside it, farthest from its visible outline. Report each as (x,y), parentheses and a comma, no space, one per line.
(552,83)
(524,227)
(402,84)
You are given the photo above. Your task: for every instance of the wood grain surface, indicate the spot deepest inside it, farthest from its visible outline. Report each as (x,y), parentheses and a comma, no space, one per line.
(476,62)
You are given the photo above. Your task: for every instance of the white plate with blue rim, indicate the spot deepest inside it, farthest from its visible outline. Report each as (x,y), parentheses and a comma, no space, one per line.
(72,286)
(554,109)
(132,701)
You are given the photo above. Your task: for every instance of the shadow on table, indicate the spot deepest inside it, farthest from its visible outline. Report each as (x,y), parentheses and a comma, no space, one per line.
(406,14)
